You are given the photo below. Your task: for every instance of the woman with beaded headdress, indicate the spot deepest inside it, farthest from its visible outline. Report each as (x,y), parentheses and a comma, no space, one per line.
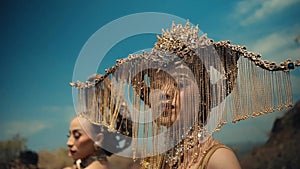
(184,90)
(91,143)
(181,96)
(187,149)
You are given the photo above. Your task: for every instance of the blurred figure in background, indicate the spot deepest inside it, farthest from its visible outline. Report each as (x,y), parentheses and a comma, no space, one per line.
(26,160)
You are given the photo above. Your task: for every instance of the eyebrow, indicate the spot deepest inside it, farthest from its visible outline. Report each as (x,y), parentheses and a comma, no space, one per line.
(75,130)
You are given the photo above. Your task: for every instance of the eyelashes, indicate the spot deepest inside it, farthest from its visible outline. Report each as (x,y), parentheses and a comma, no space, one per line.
(75,134)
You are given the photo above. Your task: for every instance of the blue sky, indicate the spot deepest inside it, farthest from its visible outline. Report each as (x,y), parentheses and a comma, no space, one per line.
(42,40)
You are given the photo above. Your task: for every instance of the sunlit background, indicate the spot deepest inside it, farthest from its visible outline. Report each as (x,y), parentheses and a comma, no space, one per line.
(41,41)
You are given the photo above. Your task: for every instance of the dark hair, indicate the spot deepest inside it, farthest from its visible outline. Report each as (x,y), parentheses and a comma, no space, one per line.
(29,157)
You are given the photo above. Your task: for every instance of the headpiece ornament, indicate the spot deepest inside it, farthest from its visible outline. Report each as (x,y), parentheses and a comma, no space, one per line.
(213,82)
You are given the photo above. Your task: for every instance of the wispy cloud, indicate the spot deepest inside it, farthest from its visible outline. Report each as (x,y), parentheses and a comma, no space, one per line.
(296,86)
(256,10)
(52,116)
(278,46)
(244,7)
(27,128)
(65,112)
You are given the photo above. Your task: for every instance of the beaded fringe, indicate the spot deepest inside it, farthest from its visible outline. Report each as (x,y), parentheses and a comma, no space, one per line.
(244,87)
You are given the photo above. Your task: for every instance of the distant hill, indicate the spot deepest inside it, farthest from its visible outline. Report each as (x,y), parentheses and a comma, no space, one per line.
(282,149)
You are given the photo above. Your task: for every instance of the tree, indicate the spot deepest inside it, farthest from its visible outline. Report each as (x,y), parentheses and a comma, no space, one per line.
(54,160)
(10,149)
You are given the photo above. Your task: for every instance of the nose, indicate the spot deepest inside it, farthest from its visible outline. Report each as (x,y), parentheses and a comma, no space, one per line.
(175,101)
(70,142)
(167,103)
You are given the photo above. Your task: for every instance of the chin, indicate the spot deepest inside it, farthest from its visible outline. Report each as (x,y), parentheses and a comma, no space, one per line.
(165,121)
(74,157)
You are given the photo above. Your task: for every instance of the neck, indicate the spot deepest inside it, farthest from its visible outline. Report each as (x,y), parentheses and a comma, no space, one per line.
(83,163)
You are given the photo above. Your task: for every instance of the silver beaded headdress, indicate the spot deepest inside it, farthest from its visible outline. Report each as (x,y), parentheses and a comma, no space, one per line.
(213,82)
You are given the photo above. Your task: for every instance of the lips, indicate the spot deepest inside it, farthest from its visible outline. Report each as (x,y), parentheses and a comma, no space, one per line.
(165,113)
(168,110)
(72,152)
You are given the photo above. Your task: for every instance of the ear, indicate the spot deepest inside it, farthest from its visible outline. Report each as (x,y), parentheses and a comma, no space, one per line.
(99,139)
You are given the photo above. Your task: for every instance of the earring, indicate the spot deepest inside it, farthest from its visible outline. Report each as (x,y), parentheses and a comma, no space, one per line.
(97,146)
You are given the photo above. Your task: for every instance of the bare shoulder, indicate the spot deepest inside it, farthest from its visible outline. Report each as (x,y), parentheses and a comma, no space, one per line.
(223,158)
(97,165)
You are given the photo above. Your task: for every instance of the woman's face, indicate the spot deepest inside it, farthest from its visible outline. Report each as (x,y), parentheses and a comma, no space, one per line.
(171,101)
(79,143)
(164,100)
